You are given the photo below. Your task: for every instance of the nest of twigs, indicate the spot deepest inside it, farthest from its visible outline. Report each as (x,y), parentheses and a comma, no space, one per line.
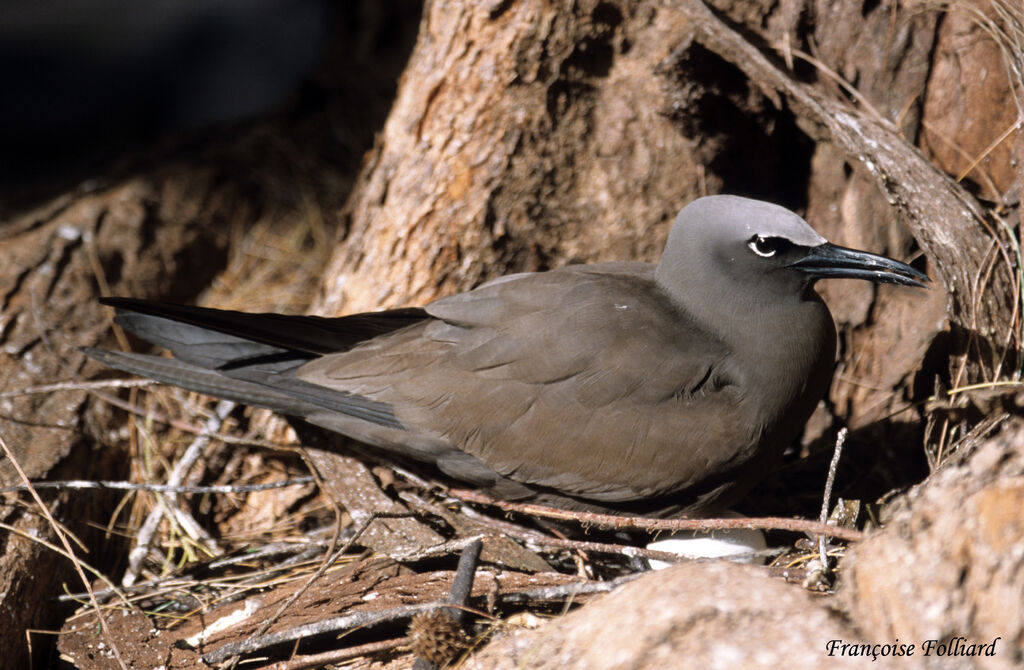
(250,556)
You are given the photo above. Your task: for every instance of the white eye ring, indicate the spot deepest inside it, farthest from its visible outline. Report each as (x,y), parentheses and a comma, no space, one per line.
(758,246)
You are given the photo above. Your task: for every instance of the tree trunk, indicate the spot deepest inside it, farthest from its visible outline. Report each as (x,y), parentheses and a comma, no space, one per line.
(523,136)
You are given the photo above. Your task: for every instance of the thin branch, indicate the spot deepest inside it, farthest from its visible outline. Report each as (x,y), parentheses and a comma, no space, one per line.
(78,386)
(458,596)
(829,483)
(332,625)
(181,469)
(465,575)
(338,655)
(570,590)
(81,484)
(643,523)
(184,426)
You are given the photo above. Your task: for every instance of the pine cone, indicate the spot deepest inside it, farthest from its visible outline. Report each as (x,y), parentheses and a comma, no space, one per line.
(437,637)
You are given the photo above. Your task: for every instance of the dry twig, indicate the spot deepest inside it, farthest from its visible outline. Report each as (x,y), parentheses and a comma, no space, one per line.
(644,523)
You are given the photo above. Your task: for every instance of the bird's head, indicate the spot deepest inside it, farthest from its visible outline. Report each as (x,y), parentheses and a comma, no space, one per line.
(730,245)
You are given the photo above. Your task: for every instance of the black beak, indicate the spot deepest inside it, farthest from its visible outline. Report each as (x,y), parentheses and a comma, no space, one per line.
(830,260)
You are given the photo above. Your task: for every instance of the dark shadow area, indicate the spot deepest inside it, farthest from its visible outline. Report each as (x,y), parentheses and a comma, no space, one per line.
(877,460)
(102,76)
(144,85)
(749,147)
(934,366)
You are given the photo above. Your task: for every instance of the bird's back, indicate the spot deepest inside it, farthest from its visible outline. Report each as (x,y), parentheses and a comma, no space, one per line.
(587,380)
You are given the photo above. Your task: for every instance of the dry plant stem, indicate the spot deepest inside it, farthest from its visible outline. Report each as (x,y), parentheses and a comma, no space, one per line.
(185,426)
(338,655)
(1016,332)
(99,595)
(827,497)
(148,414)
(31,509)
(563,591)
(78,484)
(1007,33)
(79,386)
(181,581)
(67,547)
(992,147)
(545,542)
(328,559)
(838,79)
(643,523)
(104,286)
(332,625)
(536,538)
(325,564)
(443,549)
(275,549)
(982,175)
(178,474)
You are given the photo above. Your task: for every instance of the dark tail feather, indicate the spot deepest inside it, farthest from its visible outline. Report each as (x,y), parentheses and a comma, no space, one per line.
(312,335)
(281,393)
(247,357)
(202,346)
(193,378)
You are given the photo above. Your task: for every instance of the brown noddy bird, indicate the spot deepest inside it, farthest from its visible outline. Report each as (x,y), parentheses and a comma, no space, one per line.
(631,387)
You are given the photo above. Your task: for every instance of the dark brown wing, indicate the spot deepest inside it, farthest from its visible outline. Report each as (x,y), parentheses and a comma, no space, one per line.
(586,380)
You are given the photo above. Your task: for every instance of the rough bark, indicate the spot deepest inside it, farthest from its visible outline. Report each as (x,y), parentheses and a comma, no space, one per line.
(523,136)
(969,104)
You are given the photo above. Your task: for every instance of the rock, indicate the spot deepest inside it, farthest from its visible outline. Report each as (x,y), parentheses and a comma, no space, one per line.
(698,615)
(950,562)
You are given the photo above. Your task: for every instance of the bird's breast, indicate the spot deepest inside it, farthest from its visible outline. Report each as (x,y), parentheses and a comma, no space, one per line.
(792,366)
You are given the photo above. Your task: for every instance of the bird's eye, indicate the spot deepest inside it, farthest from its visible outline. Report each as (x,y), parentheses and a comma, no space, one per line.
(766,247)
